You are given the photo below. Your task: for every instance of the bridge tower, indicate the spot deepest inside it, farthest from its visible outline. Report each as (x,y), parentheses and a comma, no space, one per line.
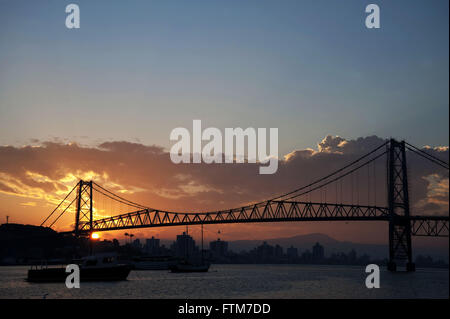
(398,204)
(84,206)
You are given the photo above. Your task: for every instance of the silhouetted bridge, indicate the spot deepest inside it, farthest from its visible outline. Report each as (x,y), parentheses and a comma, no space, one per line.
(283,208)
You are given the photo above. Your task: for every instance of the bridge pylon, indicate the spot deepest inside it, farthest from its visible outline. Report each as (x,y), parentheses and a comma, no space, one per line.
(400,251)
(84,207)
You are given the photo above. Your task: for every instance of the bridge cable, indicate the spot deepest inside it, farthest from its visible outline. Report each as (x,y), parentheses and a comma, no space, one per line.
(428,158)
(129,203)
(351,176)
(430,155)
(368,184)
(339,177)
(63,212)
(329,175)
(60,204)
(357,187)
(374,185)
(124,200)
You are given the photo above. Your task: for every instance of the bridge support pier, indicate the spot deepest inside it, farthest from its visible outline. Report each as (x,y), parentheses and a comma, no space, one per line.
(400,251)
(84,206)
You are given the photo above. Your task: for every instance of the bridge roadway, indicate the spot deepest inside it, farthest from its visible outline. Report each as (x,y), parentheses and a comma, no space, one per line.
(270,211)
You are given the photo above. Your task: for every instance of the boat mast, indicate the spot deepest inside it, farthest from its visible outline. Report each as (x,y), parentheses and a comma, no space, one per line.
(202,243)
(187,246)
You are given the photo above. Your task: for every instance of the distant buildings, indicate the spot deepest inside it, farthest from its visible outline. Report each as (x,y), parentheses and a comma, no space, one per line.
(137,244)
(292,253)
(218,249)
(152,246)
(352,256)
(184,246)
(264,252)
(278,251)
(25,244)
(318,252)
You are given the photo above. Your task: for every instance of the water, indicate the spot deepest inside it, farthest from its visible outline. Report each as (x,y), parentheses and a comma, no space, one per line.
(240,281)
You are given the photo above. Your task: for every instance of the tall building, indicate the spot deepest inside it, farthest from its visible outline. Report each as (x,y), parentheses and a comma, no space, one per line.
(352,256)
(264,252)
(318,252)
(278,251)
(218,248)
(184,246)
(137,244)
(152,246)
(292,252)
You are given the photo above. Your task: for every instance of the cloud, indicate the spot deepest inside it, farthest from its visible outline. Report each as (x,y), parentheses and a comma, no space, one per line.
(339,145)
(33,204)
(145,174)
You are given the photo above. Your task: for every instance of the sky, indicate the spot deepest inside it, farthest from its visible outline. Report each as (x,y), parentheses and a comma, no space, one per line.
(136,70)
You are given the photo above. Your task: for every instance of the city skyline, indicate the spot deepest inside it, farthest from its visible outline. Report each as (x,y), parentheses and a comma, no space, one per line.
(312,249)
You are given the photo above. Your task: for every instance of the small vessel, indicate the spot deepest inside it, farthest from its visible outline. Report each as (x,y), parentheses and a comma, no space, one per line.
(92,268)
(153,262)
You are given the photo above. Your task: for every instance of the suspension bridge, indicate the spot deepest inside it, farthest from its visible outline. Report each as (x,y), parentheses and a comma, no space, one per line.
(92,202)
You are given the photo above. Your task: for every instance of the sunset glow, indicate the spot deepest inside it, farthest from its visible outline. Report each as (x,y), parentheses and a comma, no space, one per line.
(95,236)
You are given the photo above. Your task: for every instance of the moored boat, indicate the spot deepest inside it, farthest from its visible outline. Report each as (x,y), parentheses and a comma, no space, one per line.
(92,268)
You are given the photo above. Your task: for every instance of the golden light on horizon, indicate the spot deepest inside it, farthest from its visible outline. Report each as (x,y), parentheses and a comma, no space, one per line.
(95,236)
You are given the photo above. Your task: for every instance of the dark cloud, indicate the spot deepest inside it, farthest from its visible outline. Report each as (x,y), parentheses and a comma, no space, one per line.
(336,144)
(130,147)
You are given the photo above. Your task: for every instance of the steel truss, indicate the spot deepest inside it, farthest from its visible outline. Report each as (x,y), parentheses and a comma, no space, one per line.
(430,226)
(270,211)
(84,209)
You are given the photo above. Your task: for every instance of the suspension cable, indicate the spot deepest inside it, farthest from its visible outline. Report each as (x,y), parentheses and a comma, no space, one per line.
(339,177)
(121,201)
(329,175)
(445,165)
(62,212)
(124,201)
(430,155)
(60,204)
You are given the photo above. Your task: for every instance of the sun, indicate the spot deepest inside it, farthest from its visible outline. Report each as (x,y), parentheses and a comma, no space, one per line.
(95,236)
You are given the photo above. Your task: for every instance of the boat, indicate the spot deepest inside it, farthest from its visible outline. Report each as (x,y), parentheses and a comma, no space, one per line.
(92,268)
(153,262)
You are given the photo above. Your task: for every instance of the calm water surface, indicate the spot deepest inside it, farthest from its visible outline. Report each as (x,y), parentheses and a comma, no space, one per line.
(240,281)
